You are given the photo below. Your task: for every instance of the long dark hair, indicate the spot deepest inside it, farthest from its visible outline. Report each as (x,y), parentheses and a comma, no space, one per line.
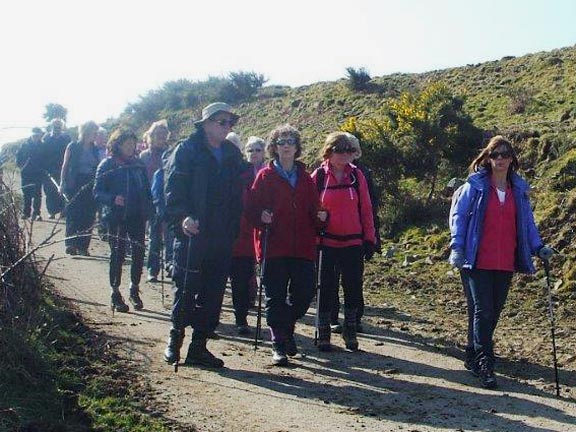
(483,159)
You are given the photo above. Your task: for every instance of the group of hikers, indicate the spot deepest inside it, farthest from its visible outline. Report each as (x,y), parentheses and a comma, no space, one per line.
(214,208)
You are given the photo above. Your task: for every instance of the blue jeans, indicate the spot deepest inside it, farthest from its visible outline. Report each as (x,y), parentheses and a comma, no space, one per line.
(488,290)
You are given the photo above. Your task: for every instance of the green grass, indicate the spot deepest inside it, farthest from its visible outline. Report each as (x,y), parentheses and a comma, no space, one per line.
(57,375)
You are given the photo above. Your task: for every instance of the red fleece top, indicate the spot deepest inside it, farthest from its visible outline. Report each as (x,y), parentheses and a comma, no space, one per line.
(350,220)
(497,247)
(292,232)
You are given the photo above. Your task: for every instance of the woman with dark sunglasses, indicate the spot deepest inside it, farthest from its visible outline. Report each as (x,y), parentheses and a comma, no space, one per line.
(283,205)
(349,236)
(493,235)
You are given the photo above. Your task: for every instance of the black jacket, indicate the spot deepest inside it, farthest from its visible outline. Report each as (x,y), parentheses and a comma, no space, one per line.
(29,159)
(129,180)
(196,185)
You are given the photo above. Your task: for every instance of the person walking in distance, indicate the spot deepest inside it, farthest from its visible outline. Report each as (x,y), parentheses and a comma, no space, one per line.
(203,193)
(493,235)
(348,239)
(242,273)
(77,181)
(157,139)
(54,145)
(29,160)
(283,203)
(122,189)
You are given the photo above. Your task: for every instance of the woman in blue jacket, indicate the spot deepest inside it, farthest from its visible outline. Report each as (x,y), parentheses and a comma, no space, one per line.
(493,235)
(122,188)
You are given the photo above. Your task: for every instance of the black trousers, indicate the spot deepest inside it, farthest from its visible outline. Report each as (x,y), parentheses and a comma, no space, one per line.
(80,214)
(120,233)
(241,276)
(54,202)
(348,262)
(32,191)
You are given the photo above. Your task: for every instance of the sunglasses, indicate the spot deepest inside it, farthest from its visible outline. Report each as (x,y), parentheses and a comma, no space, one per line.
(342,150)
(225,122)
(254,150)
(504,155)
(286,141)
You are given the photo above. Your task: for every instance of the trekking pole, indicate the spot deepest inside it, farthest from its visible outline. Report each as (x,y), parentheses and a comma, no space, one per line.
(318,286)
(260,288)
(551,316)
(184,291)
(162,263)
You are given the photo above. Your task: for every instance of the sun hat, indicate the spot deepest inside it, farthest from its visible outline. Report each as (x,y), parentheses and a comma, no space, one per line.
(234,138)
(213,108)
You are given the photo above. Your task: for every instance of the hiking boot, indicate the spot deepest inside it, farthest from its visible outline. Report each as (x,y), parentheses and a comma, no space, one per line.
(152,278)
(324,339)
(349,336)
(290,346)
(198,355)
(37,218)
(242,326)
(487,378)
(51,216)
(71,250)
(135,297)
(83,252)
(470,362)
(336,328)
(117,302)
(279,354)
(172,351)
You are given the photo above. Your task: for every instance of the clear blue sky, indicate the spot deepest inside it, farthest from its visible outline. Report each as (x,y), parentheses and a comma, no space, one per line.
(94,57)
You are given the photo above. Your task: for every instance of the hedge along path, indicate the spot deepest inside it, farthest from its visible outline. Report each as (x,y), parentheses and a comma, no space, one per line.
(396,382)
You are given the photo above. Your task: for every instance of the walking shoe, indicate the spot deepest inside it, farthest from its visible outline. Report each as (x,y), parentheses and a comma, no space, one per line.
(117,303)
(336,328)
(152,278)
(71,250)
(243,330)
(37,218)
(470,362)
(487,378)
(172,351)
(279,354)
(349,336)
(324,339)
(83,252)
(198,355)
(212,335)
(51,216)
(24,217)
(290,346)
(135,297)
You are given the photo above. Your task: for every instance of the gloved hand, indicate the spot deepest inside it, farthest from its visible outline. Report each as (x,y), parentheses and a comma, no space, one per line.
(369,249)
(545,253)
(456,258)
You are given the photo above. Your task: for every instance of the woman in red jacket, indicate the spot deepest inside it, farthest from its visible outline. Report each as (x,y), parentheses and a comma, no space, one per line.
(348,238)
(283,203)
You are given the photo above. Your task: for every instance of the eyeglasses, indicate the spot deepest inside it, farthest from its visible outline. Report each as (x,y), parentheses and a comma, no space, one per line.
(504,155)
(286,141)
(342,150)
(254,150)
(225,122)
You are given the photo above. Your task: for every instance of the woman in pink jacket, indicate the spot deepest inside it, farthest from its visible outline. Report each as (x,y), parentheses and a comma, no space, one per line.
(349,236)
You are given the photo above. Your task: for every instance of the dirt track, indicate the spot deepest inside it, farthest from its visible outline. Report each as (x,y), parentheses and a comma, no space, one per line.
(395,383)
